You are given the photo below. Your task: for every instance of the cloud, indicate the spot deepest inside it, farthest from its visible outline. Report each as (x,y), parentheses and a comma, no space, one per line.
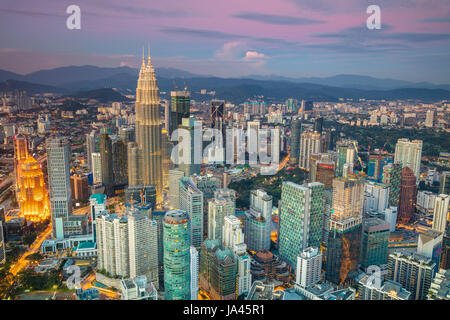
(211,34)
(440,20)
(276,19)
(251,55)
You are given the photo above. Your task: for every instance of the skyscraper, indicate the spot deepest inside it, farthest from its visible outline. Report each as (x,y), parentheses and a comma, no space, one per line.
(194,265)
(309,144)
(174,188)
(344,239)
(440,216)
(188,162)
(375,240)
(392,175)
(258,221)
(145,156)
(296,130)
(180,108)
(191,201)
(346,150)
(177,278)
(410,154)
(58,161)
(91,146)
(408,192)
(217,109)
(107,163)
(218,208)
(309,267)
(444,187)
(301,219)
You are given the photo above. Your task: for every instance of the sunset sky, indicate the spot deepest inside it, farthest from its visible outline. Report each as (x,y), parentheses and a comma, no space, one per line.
(233,38)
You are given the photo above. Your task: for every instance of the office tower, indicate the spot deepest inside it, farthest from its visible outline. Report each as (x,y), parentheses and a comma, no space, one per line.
(410,154)
(143,246)
(188,162)
(96,167)
(414,272)
(258,221)
(167,161)
(91,146)
(376,165)
(58,166)
(221,206)
(98,205)
(429,120)
(32,195)
(191,201)
(138,288)
(142,195)
(194,265)
(407,199)
(177,278)
(375,240)
(20,154)
(388,290)
(429,245)
(309,144)
(167,119)
(127,134)
(392,176)
(218,271)
(80,187)
(2,245)
(390,216)
(318,124)
(119,162)
(233,238)
(296,130)
(309,267)
(145,156)
(107,162)
(180,108)
(158,216)
(174,188)
(439,286)
(440,216)
(346,154)
(253,129)
(322,169)
(444,187)
(376,197)
(344,239)
(112,244)
(217,110)
(301,219)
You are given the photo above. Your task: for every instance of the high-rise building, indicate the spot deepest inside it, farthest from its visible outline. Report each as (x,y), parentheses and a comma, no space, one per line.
(174,188)
(217,109)
(91,146)
(258,221)
(441,216)
(318,124)
(309,144)
(375,240)
(145,156)
(218,271)
(20,154)
(98,205)
(390,216)
(429,245)
(444,187)
(233,238)
(96,167)
(191,201)
(296,130)
(142,195)
(322,169)
(143,246)
(408,193)
(392,176)
(2,245)
(301,219)
(80,187)
(177,277)
(58,166)
(410,154)
(221,206)
(414,272)
(429,120)
(346,154)
(344,239)
(388,290)
(194,265)
(188,162)
(119,162)
(107,162)
(309,267)
(180,108)
(376,197)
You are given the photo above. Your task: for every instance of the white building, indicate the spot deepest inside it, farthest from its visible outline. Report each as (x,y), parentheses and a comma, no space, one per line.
(96,167)
(138,288)
(194,272)
(309,267)
(425,201)
(410,154)
(174,188)
(191,201)
(390,216)
(376,196)
(310,143)
(223,205)
(440,218)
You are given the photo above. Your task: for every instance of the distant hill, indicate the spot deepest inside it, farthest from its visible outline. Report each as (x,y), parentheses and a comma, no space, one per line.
(102,95)
(30,88)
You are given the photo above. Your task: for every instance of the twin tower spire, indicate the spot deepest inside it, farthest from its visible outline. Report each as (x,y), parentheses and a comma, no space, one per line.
(149,64)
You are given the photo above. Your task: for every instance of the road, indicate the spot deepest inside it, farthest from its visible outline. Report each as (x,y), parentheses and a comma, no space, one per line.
(35,247)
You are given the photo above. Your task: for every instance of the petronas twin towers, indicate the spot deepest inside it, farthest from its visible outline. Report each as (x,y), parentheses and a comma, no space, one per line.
(145,155)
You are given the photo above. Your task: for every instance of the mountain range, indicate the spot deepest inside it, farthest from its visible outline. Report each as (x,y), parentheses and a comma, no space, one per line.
(72,80)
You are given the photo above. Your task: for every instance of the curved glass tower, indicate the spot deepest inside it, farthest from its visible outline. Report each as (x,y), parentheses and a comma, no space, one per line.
(176,238)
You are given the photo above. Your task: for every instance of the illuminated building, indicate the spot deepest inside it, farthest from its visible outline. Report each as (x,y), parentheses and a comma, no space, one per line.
(344,238)
(296,128)
(301,219)
(180,108)
(176,226)
(407,199)
(32,194)
(414,272)
(145,155)
(80,187)
(218,271)
(20,153)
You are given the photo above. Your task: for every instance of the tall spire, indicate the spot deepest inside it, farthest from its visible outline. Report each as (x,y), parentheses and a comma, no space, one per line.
(149,58)
(143,58)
